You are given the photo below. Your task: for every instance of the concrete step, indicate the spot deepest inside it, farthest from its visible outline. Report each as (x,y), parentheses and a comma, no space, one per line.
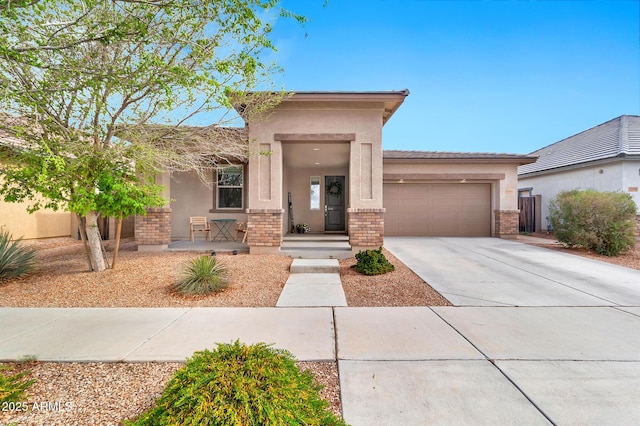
(314,266)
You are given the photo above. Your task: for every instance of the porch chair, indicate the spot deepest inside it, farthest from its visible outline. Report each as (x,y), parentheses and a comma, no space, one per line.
(241,228)
(199,224)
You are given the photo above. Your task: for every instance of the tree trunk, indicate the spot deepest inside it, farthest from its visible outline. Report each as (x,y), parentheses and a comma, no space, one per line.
(115,251)
(94,239)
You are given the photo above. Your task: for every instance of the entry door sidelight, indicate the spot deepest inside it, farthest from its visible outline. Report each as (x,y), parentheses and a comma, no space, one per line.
(334,203)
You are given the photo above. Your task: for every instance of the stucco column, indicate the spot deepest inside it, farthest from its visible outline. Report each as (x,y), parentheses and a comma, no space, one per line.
(366,213)
(265,213)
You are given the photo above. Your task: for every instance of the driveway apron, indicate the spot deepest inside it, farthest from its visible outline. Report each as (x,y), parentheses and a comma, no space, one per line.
(496,272)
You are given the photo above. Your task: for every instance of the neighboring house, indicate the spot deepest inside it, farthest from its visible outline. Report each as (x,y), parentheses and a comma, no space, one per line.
(325,150)
(604,158)
(45,223)
(15,218)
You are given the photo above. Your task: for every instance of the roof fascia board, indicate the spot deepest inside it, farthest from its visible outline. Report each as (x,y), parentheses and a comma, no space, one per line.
(483,160)
(618,159)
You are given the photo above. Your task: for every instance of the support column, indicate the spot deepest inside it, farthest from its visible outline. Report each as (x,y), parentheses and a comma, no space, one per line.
(366,228)
(153,231)
(507,223)
(264,230)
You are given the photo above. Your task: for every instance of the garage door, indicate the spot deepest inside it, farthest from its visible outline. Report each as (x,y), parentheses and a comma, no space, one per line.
(437,210)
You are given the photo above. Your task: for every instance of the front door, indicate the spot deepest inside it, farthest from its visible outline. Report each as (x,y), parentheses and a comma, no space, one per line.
(334,203)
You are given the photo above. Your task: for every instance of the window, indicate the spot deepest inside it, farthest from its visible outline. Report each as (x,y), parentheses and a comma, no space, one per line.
(315,193)
(230,184)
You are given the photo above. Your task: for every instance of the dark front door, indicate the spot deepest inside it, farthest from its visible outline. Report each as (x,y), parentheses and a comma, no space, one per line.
(334,203)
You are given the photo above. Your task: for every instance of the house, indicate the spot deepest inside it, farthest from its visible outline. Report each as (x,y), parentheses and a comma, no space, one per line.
(319,155)
(44,223)
(605,158)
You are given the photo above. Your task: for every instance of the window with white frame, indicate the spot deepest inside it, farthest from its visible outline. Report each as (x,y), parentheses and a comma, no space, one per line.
(229,187)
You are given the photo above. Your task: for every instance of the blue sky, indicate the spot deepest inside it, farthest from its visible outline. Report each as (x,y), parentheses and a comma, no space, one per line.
(483,76)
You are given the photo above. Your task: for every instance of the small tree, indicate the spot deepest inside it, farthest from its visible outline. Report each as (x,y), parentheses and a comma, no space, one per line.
(600,221)
(83,80)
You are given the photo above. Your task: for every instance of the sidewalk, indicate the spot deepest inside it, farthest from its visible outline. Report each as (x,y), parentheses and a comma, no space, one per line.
(415,365)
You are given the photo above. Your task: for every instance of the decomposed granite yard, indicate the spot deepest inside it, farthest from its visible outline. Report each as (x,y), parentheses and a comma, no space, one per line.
(107,393)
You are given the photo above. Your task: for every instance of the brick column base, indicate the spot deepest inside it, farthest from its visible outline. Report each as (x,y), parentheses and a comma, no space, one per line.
(366,228)
(264,230)
(507,223)
(153,231)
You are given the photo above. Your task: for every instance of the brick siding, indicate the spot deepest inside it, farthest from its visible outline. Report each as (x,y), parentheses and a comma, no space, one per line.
(154,228)
(366,227)
(507,223)
(264,227)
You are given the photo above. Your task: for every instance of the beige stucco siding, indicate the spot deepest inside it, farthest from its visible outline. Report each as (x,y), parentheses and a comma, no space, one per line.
(41,224)
(304,118)
(191,197)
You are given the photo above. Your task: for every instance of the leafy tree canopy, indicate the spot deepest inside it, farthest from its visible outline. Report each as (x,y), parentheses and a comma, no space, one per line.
(81,82)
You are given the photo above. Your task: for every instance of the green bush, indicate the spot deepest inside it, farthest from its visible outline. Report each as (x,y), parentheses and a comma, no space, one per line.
(15,258)
(13,386)
(240,385)
(372,262)
(203,275)
(601,221)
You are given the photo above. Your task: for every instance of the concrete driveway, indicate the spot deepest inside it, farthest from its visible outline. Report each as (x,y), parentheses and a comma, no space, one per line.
(496,272)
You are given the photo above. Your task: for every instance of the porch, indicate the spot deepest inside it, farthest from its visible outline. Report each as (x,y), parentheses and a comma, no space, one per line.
(301,246)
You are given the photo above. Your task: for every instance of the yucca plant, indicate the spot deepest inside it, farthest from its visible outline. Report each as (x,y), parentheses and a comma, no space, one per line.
(15,258)
(203,275)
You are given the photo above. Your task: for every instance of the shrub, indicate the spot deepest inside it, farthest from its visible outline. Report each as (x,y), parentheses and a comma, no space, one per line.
(203,275)
(13,386)
(15,258)
(238,384)
(372,262)
(600,221)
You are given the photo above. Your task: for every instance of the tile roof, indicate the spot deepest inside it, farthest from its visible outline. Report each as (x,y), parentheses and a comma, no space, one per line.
(439,155)
(615,138)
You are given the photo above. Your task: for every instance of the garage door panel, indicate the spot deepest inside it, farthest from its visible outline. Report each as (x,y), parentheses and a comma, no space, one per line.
(437,209)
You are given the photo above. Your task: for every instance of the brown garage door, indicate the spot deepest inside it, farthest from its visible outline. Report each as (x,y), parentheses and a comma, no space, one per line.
(437,209)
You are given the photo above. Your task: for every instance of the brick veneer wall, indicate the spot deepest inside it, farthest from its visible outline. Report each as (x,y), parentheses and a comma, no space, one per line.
(366,227)
(507,223)
(154,228)
(264,227)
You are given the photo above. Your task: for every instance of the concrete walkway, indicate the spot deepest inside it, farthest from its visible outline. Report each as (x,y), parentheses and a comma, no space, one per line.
(487,364)
(313,282)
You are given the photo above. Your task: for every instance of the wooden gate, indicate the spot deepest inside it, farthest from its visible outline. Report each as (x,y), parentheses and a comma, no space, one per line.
(527,206)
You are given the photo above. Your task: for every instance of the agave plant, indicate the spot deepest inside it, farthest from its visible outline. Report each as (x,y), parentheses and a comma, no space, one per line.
(203,275)
(15,258)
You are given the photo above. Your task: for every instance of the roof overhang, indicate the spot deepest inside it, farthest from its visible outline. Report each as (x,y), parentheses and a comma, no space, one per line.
(412,157)
(391,99)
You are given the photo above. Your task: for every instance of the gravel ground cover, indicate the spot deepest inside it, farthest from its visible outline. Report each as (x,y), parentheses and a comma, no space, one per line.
(107,393)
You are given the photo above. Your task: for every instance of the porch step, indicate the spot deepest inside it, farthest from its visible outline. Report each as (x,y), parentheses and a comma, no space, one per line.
(314,266)
(318,246)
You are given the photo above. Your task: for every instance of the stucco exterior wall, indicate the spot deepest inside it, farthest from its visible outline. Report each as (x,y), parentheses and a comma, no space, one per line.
(191,197)
(41,224)
(362,119)
(612,176)
(504,188)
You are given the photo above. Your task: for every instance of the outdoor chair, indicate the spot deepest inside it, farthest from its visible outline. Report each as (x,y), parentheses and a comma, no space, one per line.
(199,224)
(241,228)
